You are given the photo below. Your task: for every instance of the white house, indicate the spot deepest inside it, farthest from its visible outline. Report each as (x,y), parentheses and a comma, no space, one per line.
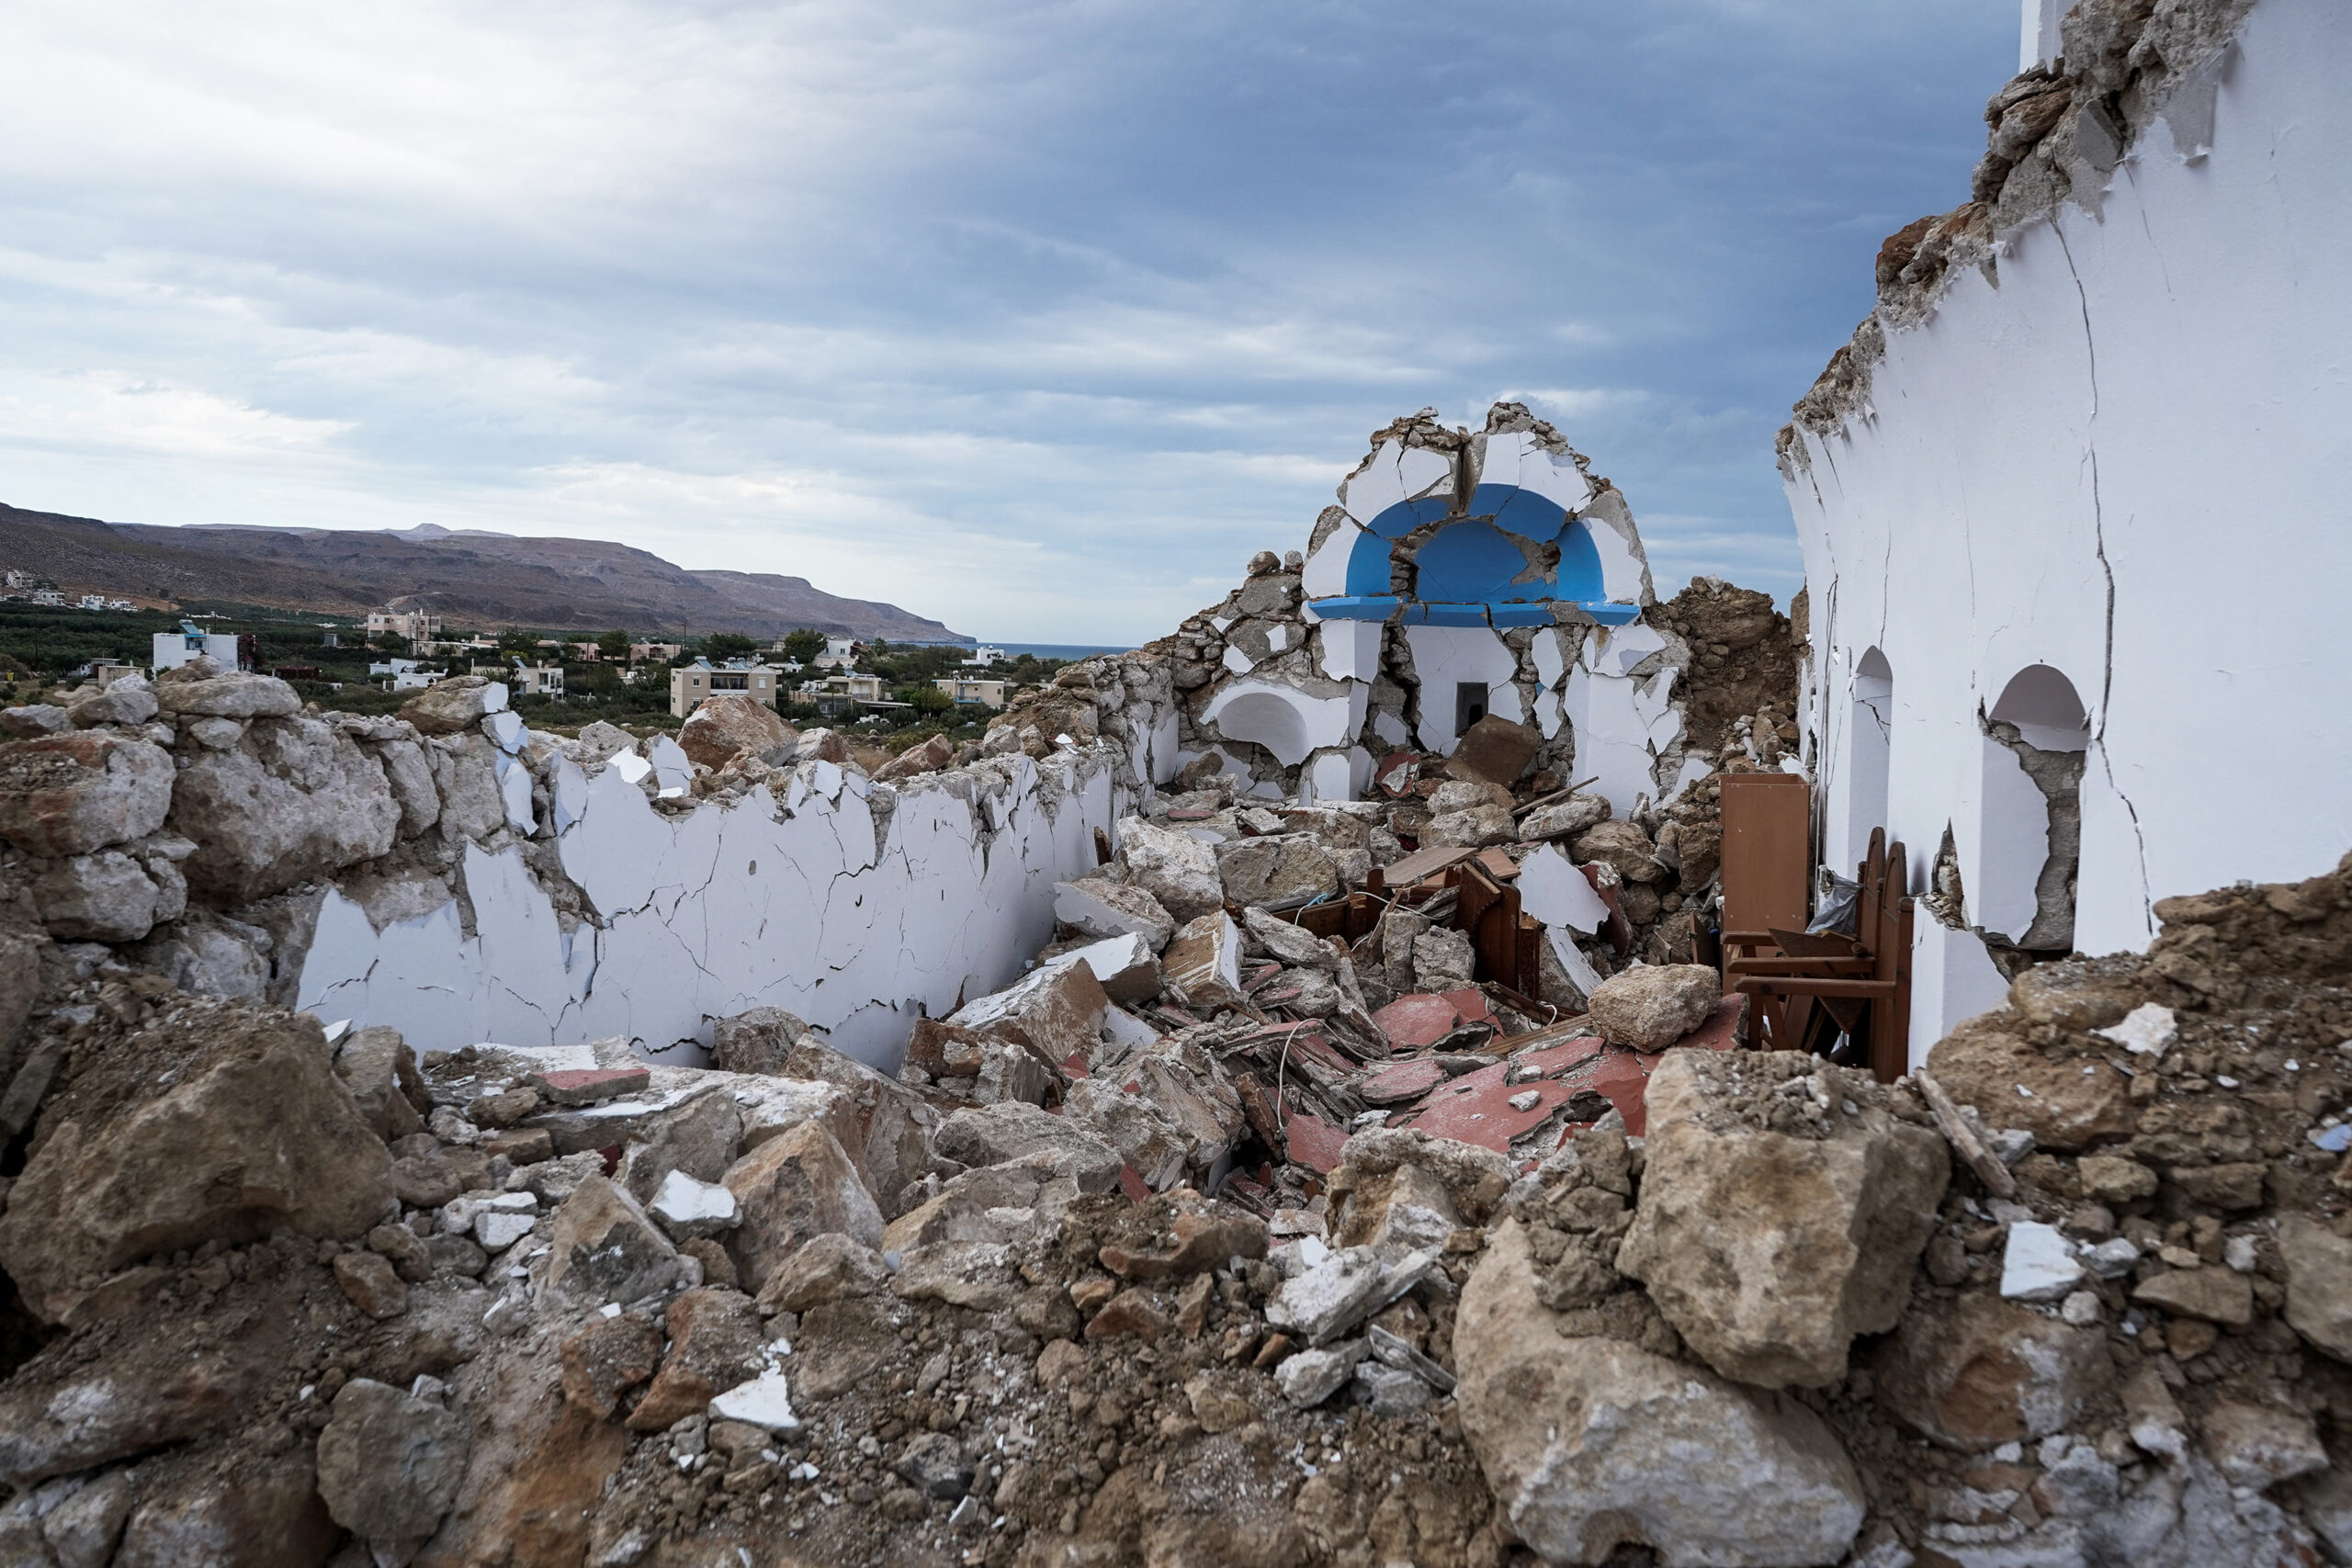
(2076,544)
(173,649)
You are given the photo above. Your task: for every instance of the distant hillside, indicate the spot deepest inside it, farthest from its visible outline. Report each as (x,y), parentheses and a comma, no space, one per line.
(474,578)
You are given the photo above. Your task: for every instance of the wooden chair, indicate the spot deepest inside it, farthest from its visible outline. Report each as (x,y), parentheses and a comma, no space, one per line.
(1859,985)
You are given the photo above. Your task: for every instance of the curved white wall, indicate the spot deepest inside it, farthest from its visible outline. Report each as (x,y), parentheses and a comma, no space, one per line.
(2131,461)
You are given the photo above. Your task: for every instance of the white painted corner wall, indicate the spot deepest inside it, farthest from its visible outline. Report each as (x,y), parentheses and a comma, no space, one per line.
(2128,462)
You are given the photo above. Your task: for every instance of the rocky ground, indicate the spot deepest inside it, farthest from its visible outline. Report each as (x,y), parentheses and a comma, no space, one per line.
(1210,1240)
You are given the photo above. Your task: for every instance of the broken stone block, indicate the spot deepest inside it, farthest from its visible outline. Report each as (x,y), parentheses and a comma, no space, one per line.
(589,1086)
(765,1403)
(2112,1179)
(1279,870)
(885,1126)
(1974,1372)
(1127,966)
(1202,965)
(728,725)
(1169,1108)
(715,1344)
(2066,1103)
(71,794)
(993,1203)
(254,1133)
(389,1465)
(1101,907)
(1391,1391)
(1769,1250)
(30,719)
(688,1208)
(756,1041)
(605,1248)
(1190,1235)
(1649,1007)
(924,757)
(296,800)
(826,1269)
(793,1188)
(1307,1378)
(1443,959)
(369,1282)
(1474,828)
(1622,847)
(1495,750)
(1332,1297)
(2258,1446)
(995,1135)
(236,693)
(380,1070)
(82,1530)
(2319,1284)
(2211,1295)
(1134,1310)
(934,1466)
(608,1358)
(2038,1264)
(1593,1444)
(976,1274)
(1405,1210)
(454,705)
(1057,1009)
(1175,868)
(249,1511)
(1566,818)
(107,896)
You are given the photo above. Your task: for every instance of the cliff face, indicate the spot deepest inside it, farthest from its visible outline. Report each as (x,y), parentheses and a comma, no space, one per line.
(472,577)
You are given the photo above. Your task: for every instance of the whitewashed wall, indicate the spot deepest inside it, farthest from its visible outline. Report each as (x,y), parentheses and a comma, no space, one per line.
(798,904)
(2128,462)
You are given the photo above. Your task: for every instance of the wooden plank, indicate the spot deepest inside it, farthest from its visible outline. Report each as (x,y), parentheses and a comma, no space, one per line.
(1497,865)
(1802,985)
(1421,864)
(1766,852)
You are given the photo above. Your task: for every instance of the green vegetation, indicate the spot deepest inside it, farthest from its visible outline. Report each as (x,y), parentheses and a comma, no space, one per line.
(801,646)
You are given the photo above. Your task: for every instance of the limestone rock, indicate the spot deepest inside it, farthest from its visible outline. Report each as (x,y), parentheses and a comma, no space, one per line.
(1175,868)
(1652,1005)
(756,1041)
(1619,844)
(727,724)
(1278,871)
(454,705)
(1474,828)
(250,1512)
(234,693)
(1978,1371)
(68,795)
(1592,1444)
(254,1132)
(1057,1009)
(1769,1250)
(2259,1445)
(389,1465)
(130,700)
(924,757)
(1443,959)
(1101,907)
(2319,1284)
(2216,1295)
(605,1248)
(1495,750)
(992,1203)
(885,1126)
(994,1134)
(1202,966)
(826,1269)
(294,801)
(793,1188)
(1565,818)
(107,897)
(606,1359)
(2069,1103)
(376,1066)
(410,777)
(714,1343)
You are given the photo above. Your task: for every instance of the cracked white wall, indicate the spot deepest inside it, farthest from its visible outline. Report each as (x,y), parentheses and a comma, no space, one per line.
(2126,461)
(711,911)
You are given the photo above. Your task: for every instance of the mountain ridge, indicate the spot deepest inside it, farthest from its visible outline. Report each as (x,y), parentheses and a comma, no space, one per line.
(473,577)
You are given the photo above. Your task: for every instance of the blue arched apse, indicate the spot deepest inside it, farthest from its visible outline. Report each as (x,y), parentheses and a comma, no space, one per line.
(1469,571)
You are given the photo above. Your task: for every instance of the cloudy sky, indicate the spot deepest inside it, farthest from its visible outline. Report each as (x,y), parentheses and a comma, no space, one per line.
(1037,316)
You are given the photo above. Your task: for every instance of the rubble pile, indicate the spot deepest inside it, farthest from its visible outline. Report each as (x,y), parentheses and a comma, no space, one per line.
(1219,1236)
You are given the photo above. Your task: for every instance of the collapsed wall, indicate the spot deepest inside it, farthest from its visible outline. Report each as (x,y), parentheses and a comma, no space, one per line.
(1461,575)
(454,875)
(2063,499)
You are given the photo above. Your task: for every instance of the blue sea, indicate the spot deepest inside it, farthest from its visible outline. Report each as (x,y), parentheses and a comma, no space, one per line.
(1053,650)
